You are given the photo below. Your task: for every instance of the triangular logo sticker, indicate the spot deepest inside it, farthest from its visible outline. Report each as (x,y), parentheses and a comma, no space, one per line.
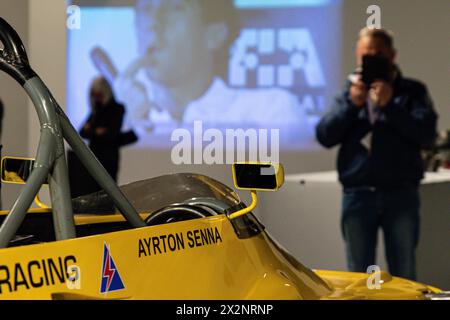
(111,280)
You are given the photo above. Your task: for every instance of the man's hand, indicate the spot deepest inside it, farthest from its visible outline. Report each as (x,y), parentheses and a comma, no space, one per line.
(358,93)
(381,93)
(100,131)
(87,126)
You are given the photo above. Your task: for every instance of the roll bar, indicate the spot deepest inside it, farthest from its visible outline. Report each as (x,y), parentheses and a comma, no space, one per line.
(50,158)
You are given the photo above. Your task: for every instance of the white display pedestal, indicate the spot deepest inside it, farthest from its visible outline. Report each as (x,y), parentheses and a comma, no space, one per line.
(304,216)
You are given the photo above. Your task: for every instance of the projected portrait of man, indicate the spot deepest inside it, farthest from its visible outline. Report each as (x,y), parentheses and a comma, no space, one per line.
(184,47)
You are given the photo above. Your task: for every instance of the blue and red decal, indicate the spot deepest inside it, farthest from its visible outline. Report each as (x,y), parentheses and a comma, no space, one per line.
(111,279)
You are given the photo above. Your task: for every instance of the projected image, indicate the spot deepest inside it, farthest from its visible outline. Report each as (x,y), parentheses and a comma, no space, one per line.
(250,64)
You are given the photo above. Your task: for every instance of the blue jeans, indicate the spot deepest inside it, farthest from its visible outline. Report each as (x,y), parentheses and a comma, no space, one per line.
(396,211)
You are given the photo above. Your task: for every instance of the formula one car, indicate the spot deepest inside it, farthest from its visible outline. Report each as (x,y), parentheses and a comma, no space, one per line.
(181,236)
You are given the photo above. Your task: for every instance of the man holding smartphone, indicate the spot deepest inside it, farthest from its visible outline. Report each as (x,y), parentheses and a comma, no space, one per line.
(381,122)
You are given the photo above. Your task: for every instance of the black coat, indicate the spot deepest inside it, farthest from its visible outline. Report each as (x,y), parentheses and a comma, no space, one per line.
(406,125)
(109,117)
(105,147)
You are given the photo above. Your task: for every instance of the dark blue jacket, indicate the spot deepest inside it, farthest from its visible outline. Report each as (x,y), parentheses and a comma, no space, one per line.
(406,125)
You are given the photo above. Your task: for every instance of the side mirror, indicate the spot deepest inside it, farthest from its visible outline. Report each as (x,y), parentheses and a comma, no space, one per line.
(16,170)
(258,176)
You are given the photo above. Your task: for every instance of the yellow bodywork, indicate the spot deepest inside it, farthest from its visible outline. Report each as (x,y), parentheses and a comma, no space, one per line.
(208,261)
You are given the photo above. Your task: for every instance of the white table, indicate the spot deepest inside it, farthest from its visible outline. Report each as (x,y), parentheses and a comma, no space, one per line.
(304,216)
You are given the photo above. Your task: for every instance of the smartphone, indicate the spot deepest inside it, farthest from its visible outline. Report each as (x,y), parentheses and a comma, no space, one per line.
(375,68)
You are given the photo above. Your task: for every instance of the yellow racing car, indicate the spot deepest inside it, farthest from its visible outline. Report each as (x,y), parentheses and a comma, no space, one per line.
(181,236)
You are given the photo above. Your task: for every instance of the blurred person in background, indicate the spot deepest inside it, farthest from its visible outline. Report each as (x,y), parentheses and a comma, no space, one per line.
(103,131)
(381,128)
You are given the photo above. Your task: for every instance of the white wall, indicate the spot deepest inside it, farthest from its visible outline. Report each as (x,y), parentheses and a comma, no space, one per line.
(47,50)
(421,30)
(15,129)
